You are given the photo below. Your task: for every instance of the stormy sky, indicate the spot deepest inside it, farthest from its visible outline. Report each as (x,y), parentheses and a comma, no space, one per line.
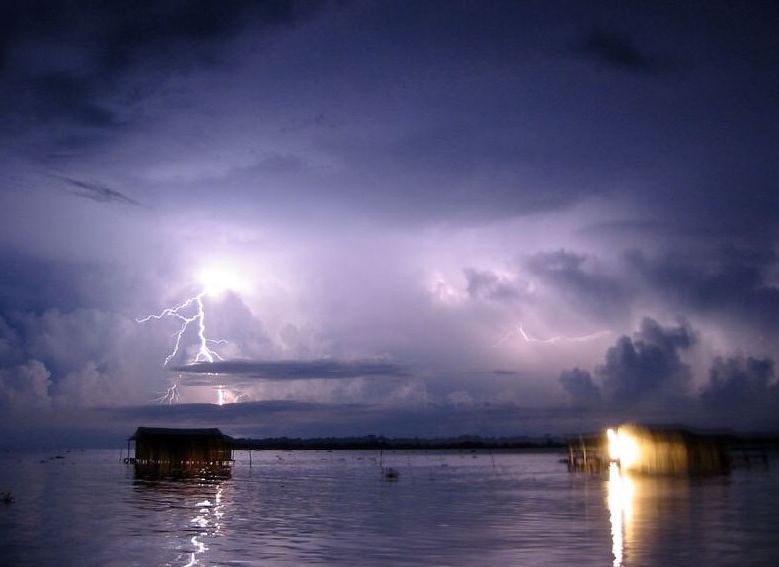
(425,218)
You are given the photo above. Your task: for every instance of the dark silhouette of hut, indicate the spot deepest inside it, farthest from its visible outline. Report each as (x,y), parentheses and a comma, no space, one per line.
(180,452)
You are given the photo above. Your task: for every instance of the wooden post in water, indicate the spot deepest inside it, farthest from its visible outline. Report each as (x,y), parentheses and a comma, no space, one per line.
(584,452)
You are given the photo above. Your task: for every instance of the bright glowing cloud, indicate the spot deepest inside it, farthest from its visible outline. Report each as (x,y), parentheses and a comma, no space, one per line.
(216,279)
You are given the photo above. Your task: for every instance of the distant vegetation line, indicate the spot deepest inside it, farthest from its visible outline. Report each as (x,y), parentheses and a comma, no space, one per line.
(465,442)
(372,442)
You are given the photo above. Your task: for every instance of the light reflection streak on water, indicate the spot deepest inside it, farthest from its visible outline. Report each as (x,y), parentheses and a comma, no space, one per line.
(620,501)
(208,515)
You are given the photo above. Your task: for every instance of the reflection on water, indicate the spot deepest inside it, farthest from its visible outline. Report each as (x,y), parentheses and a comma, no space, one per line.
(209,521)
(620,501)
(701,519)
(195,507)
(310,507)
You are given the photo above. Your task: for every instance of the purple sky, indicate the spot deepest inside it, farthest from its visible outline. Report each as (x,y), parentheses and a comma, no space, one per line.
(434,218)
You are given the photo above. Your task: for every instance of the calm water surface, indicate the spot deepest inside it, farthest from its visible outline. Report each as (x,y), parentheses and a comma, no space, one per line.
(446,508)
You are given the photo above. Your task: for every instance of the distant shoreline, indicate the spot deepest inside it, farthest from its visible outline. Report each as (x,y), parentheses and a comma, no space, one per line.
(463,443)
(374,443)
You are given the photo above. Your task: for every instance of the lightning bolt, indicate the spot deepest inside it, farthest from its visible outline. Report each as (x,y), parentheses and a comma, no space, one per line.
(204,353)
(190,312)
(170,396)
(519,330)
(225,395)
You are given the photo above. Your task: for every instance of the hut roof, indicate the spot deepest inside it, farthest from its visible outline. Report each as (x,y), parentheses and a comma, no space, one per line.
(178,432)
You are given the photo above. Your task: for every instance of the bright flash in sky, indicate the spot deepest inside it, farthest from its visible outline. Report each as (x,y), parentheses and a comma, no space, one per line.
(213,280)
(216,279)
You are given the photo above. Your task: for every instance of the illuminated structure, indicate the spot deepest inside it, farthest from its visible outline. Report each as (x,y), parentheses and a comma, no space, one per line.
(666,451)
(643,463)
(645,450)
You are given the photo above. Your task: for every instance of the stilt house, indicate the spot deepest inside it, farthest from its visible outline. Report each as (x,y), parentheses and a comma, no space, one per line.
(180,452)
(652,451)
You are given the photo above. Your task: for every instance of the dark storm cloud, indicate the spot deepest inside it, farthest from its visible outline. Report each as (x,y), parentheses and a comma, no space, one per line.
(98,193)
(24,385)
(616,50)
(734,283)
(470,115)
(646,368)
(295,369)
(355,160)
(649,365)
(645,378)
(125,29)
(84,357)
(742,384)
(67,60)
(579,386)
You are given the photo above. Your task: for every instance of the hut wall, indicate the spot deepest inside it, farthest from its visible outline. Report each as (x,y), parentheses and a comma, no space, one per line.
(159,453)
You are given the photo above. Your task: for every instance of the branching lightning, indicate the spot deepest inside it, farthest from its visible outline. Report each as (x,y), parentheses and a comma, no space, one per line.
(192,313)
(519,330)
(170,396)
(204,353)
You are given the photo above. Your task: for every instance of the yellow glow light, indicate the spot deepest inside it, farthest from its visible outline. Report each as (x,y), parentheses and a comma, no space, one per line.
(623,447)
(611,435)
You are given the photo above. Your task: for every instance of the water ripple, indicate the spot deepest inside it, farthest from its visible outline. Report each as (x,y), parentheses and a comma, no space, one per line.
(455,508)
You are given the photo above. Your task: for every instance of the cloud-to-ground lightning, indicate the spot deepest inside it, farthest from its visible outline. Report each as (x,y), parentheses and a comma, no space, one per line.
(519,330)
(192,312)
(204,353)
(170,396)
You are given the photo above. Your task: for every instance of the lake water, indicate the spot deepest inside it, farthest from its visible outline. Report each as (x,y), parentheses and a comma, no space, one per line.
(336,508)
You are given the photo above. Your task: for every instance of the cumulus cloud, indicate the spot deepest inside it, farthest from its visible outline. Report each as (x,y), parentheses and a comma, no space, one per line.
(647,373)
(24,386)
(733,285)
(645,368)
(91,386)
(244,333)
(89,357)
(648,366)
(581,388)
(741,384)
